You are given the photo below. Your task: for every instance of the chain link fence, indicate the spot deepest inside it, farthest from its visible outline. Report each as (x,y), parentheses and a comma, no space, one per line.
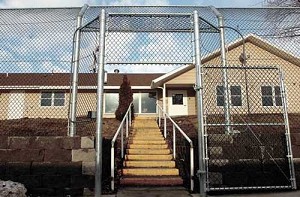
(36,68)
(255,153)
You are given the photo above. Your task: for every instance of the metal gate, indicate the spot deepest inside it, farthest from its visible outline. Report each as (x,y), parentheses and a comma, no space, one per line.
(250,149)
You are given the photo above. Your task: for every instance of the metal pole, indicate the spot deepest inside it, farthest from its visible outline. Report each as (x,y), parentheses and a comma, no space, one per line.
(100,85)
(200,114)
(73,102)
(224,66)
(127,125)
(174,142)
(122,141)
(112,167)
(192,167)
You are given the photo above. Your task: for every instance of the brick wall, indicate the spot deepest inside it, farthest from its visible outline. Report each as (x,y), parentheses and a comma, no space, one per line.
(49,166)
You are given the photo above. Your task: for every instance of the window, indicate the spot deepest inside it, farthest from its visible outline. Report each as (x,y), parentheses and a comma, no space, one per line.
(148,102)
(111,102)
(220,95)
(271,96)
(278,101)
(52,99)
(144,102)
(177,99)
(235,95)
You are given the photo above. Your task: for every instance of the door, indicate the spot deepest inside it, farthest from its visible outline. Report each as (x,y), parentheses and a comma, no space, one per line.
(177,100)
(16,105)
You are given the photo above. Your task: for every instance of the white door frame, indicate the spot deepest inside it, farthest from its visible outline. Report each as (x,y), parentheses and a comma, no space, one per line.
(181,108)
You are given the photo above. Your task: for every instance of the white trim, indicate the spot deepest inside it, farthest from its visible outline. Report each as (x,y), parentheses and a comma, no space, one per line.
(52,100)
(273,96)
(230,96)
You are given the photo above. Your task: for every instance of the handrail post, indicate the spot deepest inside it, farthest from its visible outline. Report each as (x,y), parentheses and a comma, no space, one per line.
(165,125)
(122,141)
(174,142)
(159,121)
(192,167)
(112,167)
(130,115)
(127,126)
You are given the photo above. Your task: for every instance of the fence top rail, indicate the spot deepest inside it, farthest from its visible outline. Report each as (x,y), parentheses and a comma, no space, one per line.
(120,127)
(146,14)
(176,125)
(244,67)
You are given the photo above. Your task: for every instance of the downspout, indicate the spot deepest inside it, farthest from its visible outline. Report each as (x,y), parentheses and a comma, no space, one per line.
(224,66)
(76,57)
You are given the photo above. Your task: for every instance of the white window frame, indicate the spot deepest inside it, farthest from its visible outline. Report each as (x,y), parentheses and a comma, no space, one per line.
(273,95)
(53,99)
(104,101)
(230,96)
(140,101)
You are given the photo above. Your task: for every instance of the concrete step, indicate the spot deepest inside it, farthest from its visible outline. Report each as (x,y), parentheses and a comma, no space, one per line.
(152,181)
(147,146)
(148,151)
(150,172)
(146,141)
(148,138)
(133,133)
(149,164)
(149,157)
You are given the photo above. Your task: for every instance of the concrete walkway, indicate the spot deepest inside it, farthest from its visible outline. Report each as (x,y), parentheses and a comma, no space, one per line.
(181,192)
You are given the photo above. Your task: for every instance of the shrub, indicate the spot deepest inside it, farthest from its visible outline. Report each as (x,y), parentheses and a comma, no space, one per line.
(125,98)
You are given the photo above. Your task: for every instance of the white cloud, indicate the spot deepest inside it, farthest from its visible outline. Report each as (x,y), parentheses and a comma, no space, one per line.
(24,67)
(50,67)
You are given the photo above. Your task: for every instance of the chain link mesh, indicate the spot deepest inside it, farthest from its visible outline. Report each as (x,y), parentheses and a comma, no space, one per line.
(35,66)
(254,154)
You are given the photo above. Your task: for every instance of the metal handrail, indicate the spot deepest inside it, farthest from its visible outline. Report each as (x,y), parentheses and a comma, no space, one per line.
(127,121)
(175,126)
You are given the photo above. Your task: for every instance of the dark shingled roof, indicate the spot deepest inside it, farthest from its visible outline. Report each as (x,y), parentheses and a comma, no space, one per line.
(63,79)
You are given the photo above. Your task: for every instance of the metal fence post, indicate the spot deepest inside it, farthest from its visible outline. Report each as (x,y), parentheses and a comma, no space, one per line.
(224,66)
(76,57)
(100,87)
(200,114)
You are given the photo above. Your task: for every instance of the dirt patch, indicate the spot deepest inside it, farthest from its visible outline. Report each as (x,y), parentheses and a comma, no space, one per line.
(55,127)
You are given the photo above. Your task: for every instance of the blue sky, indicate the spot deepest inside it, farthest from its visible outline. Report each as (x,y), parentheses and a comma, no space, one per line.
(77,3)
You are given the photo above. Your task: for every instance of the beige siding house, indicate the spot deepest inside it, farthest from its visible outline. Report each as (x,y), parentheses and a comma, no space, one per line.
(254,90)
(47,95)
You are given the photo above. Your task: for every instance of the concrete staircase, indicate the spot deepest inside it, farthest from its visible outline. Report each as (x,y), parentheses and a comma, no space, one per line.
(148,160)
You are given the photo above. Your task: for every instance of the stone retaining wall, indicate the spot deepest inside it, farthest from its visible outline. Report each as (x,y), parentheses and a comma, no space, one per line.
(49,166)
